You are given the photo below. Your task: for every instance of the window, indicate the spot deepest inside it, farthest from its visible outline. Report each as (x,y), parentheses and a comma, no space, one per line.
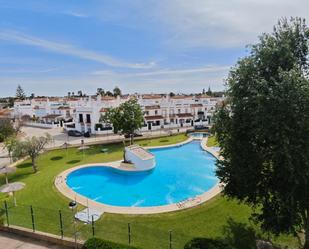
(81,119)
(88,118)
(179,110)
(156,112)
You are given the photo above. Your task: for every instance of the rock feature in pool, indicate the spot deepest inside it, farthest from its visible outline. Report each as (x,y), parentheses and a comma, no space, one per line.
(141,158)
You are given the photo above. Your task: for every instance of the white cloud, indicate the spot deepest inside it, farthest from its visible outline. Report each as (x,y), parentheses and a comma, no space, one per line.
(76,14)
(204,23)
(27,71)
(224,23)
(69,49)
(181,80)
(168,72)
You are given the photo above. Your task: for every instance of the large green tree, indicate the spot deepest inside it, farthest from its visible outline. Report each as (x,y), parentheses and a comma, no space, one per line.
(126,118)
(263,130)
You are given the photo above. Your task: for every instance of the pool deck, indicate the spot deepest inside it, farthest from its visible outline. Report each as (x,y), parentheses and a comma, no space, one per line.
(60,183)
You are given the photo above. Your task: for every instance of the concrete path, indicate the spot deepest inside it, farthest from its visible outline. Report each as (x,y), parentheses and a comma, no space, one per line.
(60,137)
(13,241)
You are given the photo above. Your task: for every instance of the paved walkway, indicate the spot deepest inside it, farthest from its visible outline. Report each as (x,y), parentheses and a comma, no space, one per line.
(14,241)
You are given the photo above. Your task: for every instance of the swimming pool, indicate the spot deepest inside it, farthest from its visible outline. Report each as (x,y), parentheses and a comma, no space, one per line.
(181,172)
(199,135)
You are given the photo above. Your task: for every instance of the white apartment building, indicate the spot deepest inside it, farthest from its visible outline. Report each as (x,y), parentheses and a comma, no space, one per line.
(161,111)
(46,111)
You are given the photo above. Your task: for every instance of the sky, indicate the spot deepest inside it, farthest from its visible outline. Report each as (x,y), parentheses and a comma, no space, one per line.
(51,47)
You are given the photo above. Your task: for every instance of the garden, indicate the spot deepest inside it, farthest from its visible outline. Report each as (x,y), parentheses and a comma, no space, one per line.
(40,203)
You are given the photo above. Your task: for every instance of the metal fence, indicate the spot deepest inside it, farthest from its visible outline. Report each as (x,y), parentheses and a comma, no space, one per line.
(63,224)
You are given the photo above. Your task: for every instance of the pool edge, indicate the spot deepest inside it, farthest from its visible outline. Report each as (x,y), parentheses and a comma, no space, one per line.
(63,188)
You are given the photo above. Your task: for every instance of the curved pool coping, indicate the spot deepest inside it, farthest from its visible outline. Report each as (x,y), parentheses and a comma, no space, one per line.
(64,189)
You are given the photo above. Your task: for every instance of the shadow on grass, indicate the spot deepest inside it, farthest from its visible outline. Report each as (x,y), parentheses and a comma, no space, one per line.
(56,158)
(95,150)
(73,161)
(239,235)
(24,165)
(164,140)
(235,235)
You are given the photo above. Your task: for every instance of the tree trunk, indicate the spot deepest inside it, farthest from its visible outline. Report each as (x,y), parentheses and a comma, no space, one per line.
(10,156)
(34,164)
(306,245)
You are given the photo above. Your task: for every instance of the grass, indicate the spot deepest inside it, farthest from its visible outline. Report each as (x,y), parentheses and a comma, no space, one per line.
(148,231)
(212,141)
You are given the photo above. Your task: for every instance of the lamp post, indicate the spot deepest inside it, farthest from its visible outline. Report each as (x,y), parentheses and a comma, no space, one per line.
(72,206)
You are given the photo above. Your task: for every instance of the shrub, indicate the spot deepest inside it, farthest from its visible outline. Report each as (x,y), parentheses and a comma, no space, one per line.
(96,243)
(97,126)
(6,129)
(204,243)
(239,235)
(2,217)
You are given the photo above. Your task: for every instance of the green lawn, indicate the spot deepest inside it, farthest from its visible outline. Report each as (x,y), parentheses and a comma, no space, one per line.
(148,231)
(212,141)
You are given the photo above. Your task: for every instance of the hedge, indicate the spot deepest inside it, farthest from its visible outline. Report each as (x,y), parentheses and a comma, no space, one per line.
(204,243)
(96,243)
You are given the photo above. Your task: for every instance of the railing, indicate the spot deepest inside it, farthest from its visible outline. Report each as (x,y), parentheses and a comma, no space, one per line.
(41,125)
(62,223)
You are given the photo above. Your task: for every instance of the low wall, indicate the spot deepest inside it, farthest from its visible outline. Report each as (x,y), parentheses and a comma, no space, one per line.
(118,140)
(50,238)
(41,125)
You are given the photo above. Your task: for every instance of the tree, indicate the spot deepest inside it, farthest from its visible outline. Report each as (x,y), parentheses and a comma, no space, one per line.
(10,102)
(117,91)
(172,94)
(31,147)
(209,92)
(263,130)
(80,93)
(10,145)
(20,93)
(126,118)
(100,91)
(6,129)
(109,93)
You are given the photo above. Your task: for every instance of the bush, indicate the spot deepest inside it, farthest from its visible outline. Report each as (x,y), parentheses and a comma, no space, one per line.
(204,243)
(6,129)
(97,126)
(2,217)
(239,235)
(96,243)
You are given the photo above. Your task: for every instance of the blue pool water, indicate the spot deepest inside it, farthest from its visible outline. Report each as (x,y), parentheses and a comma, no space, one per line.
(198,134)
(181,172)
